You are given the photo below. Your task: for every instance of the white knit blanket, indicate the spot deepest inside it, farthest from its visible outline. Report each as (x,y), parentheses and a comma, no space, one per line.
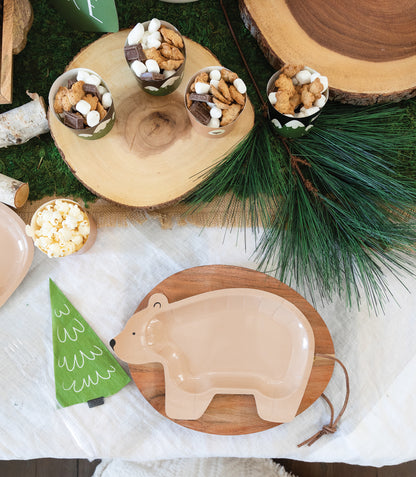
(209,467)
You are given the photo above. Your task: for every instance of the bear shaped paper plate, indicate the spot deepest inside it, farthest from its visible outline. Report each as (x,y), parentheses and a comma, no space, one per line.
(226,350)
(232,341)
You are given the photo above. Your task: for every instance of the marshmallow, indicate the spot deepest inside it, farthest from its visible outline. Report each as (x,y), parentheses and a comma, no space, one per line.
(83,107)
(93,79)
(240,86)
(168,73)
(107,100)
(102,89)
(211,105)
(295,81)
(156,36)
(272,98)
(152,66)
(138,67)
(201,88)
(215,112)
(309,111)
(215,75)
(320,102)
(82,75)
(214,83)
(93,118)
(214,123)
(303,77)
(153,42)
(135,35)
(154,25)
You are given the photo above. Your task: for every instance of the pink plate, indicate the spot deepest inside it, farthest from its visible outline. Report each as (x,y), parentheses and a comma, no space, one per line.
(16,252)
(230,341)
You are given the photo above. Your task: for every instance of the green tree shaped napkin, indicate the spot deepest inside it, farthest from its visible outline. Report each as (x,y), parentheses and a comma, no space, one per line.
(85,370)
(88,15)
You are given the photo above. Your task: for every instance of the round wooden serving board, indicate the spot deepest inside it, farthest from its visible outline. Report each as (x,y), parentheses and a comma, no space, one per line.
(152,157)
(232,414)
(366,49)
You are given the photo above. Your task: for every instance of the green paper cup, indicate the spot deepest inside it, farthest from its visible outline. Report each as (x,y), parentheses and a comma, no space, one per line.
(301,121)
(97,131)
(209,130)
(61,227)
(165,82)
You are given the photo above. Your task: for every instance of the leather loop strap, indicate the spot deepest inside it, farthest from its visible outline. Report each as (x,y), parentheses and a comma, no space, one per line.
(332,426)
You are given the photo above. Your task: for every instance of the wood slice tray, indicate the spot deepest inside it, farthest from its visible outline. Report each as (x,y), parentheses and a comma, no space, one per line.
(152,157)
(366,49)
(232,414)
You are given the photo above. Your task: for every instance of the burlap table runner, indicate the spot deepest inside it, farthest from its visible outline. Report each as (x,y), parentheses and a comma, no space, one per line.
(110,214)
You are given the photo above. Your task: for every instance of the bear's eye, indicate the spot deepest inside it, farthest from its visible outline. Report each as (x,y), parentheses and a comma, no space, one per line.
(134,333)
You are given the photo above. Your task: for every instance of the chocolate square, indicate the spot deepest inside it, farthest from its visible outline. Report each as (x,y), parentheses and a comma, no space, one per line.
(73,120)
(201,112)
(151,76)
(91,89)
(204,98)
(134,52)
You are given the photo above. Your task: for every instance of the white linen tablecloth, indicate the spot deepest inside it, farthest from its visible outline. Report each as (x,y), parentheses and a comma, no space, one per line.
(106,285)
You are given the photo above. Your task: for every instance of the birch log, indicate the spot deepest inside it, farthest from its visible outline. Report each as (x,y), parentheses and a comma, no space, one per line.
(12,191)
(21,124)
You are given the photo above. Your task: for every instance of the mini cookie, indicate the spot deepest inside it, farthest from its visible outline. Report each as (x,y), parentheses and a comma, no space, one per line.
(316,87)
(171,52)
(220,104)
(230,114)
(291,70)
(171,37)
(236,96)
(76,93)
(91,100)
(284,83)
(307,97)
(154,54)
(283,103)
(61,102)
(101,110)
(170,64)
(223,89)
(218,95)
(228,76)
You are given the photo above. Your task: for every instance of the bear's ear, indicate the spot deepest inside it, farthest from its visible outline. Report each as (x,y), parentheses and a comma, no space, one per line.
(158,300)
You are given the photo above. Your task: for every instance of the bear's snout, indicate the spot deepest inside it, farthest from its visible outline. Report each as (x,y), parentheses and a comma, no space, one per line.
(112,343)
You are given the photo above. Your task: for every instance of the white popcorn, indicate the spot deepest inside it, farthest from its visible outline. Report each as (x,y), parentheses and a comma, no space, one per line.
(107,100)
(60,228)
(82,75)
(272,98)
(102,89)
(135,35)
(77,239)
(214,123)
(154,25)
(201,88)
(84,228)
(93,79)
(83,107)
(214,83)
(64,235)
(215,75)
(70,222)
(152,66)
(138,67)
(215,112)
(303,77)
(320,102)
(240,86)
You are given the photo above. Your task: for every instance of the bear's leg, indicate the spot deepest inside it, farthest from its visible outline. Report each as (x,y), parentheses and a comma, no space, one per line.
(276,409)
(180,404)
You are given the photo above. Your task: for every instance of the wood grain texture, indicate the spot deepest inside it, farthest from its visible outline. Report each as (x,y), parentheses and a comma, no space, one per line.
(152,157)
(366,49)
(22,22)
(6,66)
(232,414)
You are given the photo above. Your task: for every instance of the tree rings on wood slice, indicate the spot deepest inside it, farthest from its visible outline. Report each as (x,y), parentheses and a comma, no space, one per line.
(152,157)
(232,414)
(366,49)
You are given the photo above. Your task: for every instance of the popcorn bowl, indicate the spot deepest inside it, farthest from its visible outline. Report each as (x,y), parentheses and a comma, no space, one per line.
(107,118)
(155,82)
(211,130)
(61,227)
(300,122)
